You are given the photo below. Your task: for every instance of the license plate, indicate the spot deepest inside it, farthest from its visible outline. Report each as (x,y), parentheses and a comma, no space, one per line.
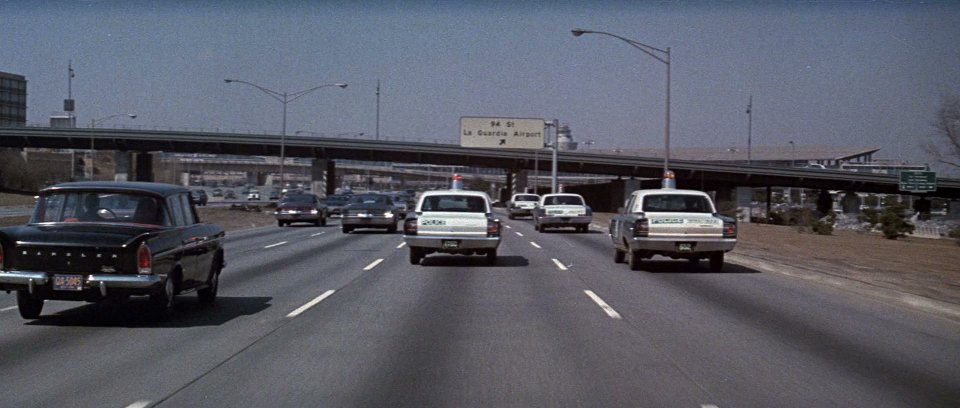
(451,244)
(684,247)
(68,282)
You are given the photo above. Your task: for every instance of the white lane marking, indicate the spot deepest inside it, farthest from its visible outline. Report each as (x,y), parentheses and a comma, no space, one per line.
(401,245)
(274,245)
(519,234)
(708,406)
(559,264)
(535,244)
(311,303)
(509,227)
(373,264)
(8,308)
(603,305)
(319,233)
(140,404)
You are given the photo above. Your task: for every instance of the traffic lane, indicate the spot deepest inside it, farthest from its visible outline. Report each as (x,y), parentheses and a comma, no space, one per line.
(791,341)
(453,332)
(71,345)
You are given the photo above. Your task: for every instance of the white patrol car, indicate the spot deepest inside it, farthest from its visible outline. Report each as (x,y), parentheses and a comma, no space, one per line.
(452,222)
(562,210)
(522,204)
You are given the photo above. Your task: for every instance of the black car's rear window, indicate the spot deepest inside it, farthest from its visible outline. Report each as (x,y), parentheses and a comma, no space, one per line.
(298,198)
(99,207)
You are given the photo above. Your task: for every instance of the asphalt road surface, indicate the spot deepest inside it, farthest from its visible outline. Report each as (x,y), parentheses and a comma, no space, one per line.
(309,316)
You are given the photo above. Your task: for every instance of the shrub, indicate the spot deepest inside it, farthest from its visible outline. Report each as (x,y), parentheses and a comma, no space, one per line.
(955,233)
(870,216)
(893,222)
(824,226)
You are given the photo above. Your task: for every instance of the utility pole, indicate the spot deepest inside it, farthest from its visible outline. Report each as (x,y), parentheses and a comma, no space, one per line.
(750,131)
(378,111)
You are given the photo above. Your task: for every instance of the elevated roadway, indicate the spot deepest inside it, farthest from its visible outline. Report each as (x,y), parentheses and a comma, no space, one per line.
(692,174)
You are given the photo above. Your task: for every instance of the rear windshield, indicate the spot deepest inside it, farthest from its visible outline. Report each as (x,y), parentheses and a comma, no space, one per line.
(298,198)
(98,207)
(454,203)
(527,198)
(676,203)
(563,200)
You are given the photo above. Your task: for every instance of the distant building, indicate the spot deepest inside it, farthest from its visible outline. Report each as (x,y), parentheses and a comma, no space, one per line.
(13,100)
(565,138)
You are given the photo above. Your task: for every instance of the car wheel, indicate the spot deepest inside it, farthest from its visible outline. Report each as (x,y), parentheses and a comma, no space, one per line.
(164,299)
(392,229)
(346,229)
(208,294)
(618,255)
(694,261)
(280,224)
(511,217)
(323,221)
(492,257)
(537,227)
(415,256)
(633,260)
(30,306)
(716,262)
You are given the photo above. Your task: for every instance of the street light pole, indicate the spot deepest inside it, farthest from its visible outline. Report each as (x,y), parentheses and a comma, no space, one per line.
(793,154)
(284,98)
(93,125)
(660,55)
(750,131)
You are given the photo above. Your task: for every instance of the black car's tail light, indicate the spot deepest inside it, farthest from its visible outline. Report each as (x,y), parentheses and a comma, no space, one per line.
(144,260)
(641,228)
(729,230)
(493,228)
(410,226)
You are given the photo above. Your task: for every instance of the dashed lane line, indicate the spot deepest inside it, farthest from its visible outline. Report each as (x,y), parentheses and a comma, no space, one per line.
(603,305)
(319,233)
(7,309)
(373,264)
(310,304)
(401,245)
(559,264)
(140,404)
(535,245)
(519,234)
(275,245)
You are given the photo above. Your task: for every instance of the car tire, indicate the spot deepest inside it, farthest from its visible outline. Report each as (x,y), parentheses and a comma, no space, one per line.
(164,299)
(537,227)
(323,221)
(392,229)
(693,261)
(633,260)
(618,255)
(30,306)
(280,224)
(208,294)
(716,262)
(511,216)
(346,229)
(415,256)
(492,257)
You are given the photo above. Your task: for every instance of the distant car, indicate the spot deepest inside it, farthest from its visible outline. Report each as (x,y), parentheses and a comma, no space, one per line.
(93,241)
(399,204)
(253,195)
(335,202)
(301,208)
(217,193)
(198,197)
(522,205)
(274,195)
(562,210)
(452,222)
(369,211)
(229,195)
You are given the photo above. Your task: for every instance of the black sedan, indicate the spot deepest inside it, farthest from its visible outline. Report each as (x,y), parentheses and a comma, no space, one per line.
(90,241)
(369,211)
(301,208)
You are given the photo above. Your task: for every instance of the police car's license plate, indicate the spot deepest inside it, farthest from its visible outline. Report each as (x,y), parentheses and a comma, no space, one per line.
(684,247)
(67,282)
(450,244)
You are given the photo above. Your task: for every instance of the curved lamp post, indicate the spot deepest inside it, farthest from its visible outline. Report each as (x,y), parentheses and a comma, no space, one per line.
(96,122)
(284,98)
(660,55)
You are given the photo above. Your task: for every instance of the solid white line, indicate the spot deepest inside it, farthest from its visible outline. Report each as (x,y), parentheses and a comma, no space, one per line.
(559,264)
(140,404)
(535,244)
(401,245)
(519,234)
(8,308)
(603,305)
(373,264)
(311,303)
(319,233)
(273,245)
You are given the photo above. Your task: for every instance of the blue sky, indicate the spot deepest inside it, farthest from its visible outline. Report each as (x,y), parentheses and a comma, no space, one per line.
(865,74)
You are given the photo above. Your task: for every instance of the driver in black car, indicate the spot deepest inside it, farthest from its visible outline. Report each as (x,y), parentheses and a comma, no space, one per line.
(89,211)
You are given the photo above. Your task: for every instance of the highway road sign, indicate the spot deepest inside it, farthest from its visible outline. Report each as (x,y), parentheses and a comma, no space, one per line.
(508,133)
(918,181)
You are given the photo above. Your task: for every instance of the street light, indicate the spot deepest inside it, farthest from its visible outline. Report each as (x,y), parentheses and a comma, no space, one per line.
(284,98)
(793,154)
(93,124)
(664,57)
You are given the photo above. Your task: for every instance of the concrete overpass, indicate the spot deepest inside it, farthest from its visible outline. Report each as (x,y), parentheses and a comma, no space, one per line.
(690,174)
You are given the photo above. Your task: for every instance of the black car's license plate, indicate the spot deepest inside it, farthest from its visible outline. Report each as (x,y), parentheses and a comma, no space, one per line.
(450,244)
(68,282)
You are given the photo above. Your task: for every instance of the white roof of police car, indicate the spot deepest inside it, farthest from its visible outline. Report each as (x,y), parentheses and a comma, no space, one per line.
(455,192)
(669,191)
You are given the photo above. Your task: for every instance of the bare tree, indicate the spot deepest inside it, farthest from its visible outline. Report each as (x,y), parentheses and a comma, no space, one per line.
(945,145)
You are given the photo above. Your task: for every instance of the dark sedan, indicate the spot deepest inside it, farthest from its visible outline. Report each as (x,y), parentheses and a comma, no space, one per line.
(369,211)
(90,241)
(301,208)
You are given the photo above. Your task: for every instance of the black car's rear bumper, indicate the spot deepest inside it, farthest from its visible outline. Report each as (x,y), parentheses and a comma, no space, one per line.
(41,283)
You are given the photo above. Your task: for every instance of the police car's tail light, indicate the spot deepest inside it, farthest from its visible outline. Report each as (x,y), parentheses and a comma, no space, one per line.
(641,228)
(729,230)
(493,228)
(410,226)
(144,260)
(1,256)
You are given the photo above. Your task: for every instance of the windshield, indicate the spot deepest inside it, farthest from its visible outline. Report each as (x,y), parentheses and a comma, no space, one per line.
(676,203)
(98,207)
(454,203)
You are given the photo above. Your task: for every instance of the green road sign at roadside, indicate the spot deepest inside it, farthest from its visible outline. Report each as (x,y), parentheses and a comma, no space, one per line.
(918,181)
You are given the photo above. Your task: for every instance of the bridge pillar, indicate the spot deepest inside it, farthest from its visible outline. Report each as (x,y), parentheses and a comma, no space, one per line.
(824,203)
(122,165)
(331,177)
(319,176)
(507,191)
(953,209)
(520,179)
(143,166)
(850,203)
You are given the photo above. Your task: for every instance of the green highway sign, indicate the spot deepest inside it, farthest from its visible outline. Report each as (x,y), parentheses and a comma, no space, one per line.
(918,181)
